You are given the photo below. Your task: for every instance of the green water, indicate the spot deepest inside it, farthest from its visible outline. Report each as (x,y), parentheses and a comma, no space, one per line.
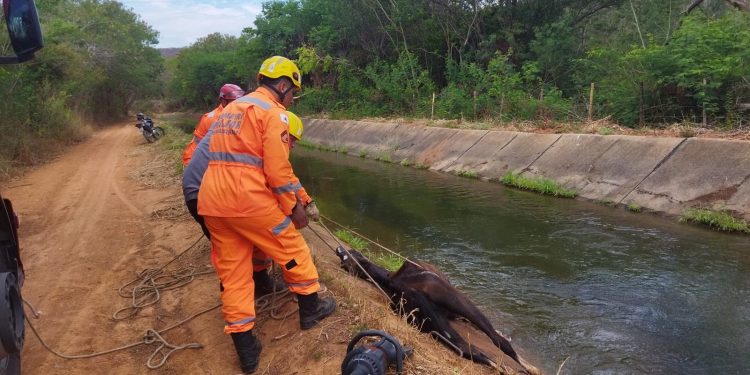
(614,292)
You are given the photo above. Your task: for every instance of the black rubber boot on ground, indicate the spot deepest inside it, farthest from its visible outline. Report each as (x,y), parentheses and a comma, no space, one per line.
(248,349)
(265,285)
(313,309)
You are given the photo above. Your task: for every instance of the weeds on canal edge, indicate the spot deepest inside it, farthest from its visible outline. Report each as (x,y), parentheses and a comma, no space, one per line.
(719,220)
(388,261)
(539,185)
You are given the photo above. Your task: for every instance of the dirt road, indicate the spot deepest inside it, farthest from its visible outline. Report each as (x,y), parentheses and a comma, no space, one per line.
(110,208)
(87,227)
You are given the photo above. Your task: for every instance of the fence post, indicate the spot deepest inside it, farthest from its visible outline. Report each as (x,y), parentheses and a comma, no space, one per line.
(432,112)
(641,114)
(704,103)
(591,102)
(502,104)
(475,105)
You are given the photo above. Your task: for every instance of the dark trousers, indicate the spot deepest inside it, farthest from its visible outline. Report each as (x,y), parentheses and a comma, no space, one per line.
(192,206)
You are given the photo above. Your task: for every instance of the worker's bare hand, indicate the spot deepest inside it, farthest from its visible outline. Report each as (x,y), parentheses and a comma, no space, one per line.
(299,216)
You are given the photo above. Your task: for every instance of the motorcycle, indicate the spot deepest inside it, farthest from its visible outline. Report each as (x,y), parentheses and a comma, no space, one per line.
(149,130)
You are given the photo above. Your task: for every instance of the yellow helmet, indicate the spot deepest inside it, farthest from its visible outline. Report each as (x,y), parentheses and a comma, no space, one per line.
(279,66)
(295,126)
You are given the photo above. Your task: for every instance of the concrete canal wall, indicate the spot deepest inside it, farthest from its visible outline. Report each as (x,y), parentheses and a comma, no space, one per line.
(664,175)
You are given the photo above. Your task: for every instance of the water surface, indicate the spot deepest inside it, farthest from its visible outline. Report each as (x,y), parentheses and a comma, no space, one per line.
(614,292)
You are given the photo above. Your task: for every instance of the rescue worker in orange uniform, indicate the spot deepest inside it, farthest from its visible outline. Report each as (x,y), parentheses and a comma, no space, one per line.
(191,181)
(192,177)
(250,196)
(228,93)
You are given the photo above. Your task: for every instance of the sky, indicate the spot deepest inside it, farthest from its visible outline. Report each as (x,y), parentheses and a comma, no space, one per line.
(181,23)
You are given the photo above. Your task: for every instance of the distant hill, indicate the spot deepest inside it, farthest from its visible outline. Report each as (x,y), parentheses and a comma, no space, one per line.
(169,52)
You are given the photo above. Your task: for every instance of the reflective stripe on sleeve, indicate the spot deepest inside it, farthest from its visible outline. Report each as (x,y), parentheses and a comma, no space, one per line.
(290,187)
(279,228)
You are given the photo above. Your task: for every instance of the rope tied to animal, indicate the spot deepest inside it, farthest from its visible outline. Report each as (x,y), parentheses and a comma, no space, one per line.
(369,277)
(342,226)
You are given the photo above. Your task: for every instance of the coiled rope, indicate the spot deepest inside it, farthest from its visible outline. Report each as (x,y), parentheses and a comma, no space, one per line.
(146,293)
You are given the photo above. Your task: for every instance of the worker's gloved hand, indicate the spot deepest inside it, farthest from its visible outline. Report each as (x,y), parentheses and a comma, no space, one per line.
(312,211)
(298,216)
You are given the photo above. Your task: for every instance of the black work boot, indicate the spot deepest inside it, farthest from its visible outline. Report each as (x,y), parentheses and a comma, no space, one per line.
(265,285)
(248,349)
(313,309)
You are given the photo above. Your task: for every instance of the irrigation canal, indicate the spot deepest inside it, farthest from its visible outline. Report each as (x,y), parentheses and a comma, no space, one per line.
(616,292)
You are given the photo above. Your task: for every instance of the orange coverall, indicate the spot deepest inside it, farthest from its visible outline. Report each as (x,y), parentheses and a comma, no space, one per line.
(200,131)
(246,196)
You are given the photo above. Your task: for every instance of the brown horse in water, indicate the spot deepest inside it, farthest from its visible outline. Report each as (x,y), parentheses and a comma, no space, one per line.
(425,296)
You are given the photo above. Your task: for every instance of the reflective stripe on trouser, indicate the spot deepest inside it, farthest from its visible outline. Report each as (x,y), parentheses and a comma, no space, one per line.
(232,238)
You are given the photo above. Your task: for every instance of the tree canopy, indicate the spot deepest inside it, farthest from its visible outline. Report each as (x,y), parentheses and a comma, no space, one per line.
(97,61)
(497,60)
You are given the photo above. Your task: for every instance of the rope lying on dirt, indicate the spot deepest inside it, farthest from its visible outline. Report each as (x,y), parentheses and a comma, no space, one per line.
(147,293)
(154,280)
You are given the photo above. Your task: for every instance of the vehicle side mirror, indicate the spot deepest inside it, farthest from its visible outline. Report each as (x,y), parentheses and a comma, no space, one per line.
(23,28)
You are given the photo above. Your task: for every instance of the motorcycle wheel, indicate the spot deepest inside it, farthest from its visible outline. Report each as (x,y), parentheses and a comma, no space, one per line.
(158,132)
(149,138)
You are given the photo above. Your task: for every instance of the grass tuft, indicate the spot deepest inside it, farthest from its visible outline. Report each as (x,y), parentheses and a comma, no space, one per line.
(539,185)
(386,158)
(421,166)
(466,173)
(719,220)
(388,261)
(633,207)
(306,144)
(606,131)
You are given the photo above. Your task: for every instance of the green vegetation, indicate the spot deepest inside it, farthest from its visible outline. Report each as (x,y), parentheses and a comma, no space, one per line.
(384,157)
(97,64)
(307,144)
(178,131)
(539,185)
(406,163)
(357,243)
(525,61)
(388,261)
(362,154)
(633,207)
(530,62)
(466,173)
(687,131)
(419,165)
(719,220)
(606,131)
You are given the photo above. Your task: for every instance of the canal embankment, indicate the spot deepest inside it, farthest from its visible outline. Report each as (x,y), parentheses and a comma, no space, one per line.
(657,174)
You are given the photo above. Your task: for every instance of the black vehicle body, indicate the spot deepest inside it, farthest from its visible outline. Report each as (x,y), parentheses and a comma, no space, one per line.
(11,280)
